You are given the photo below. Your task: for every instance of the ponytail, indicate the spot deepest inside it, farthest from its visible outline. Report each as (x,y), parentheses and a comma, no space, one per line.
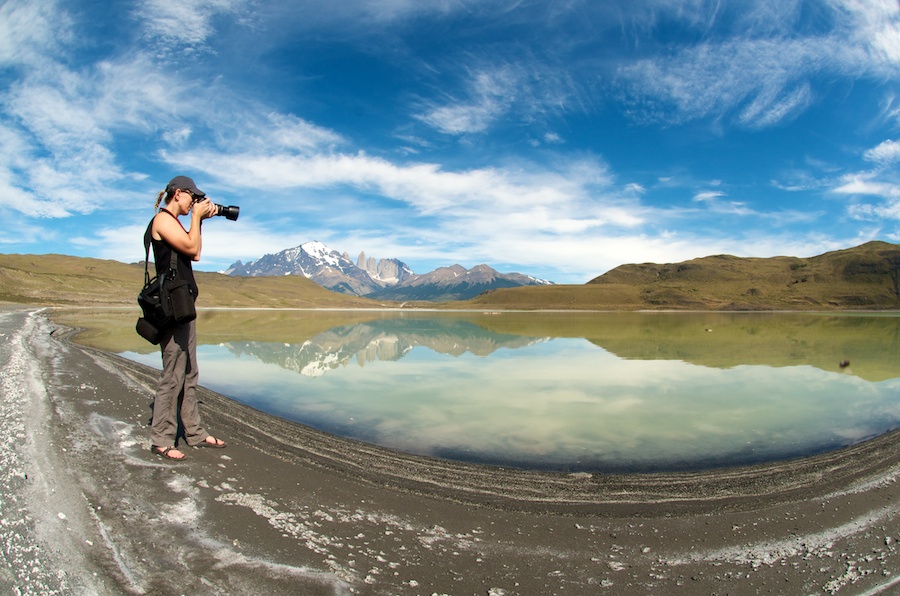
(159,199)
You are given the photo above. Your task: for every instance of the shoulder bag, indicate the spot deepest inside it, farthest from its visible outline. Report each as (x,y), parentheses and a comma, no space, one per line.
(165,300)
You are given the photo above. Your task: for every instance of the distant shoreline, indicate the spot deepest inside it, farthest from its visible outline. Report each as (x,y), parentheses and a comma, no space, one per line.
(485,311)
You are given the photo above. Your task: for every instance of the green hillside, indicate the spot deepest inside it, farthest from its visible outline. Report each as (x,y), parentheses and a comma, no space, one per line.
(865,277)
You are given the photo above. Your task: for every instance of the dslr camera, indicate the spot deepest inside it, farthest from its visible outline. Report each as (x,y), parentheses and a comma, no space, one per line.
(230,212)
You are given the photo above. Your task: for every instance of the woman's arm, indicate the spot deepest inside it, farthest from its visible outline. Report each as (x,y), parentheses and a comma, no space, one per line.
(188,243)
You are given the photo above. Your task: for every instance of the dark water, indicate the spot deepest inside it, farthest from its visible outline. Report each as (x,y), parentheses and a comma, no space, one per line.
(608,392)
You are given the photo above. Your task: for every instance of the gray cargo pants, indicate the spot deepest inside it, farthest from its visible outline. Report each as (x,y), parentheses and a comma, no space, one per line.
(178,381)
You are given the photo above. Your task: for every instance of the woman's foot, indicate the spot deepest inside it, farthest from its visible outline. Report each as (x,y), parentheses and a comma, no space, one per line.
(168,452)
(211,442)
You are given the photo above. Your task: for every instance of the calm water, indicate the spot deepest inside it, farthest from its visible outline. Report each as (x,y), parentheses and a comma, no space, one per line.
(609,392)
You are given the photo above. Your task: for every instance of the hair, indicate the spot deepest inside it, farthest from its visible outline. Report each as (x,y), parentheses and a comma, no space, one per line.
(168,196)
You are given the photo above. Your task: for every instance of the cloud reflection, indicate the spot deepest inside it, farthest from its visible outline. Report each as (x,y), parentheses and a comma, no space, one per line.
(458,391)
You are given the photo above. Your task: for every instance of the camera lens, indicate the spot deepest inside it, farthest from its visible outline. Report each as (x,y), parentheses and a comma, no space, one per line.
(231,212)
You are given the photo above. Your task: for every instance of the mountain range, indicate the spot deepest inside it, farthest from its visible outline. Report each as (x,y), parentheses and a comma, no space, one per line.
(865,277)
(384,279)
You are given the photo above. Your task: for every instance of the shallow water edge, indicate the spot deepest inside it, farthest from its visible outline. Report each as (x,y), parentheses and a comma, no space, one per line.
(731,489)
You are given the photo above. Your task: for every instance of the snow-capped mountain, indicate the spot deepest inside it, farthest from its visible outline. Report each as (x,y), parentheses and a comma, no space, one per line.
(385,279)
(326,267)
(455,283)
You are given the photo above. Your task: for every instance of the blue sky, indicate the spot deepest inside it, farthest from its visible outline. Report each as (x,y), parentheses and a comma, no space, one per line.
(558,139)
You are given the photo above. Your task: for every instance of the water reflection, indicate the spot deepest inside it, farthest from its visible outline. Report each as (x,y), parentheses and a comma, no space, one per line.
(612,392)
(387,340)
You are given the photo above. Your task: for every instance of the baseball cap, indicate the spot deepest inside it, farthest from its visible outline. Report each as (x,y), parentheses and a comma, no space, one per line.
(184,183)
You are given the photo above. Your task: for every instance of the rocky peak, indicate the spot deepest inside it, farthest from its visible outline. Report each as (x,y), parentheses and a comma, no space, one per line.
(384,278)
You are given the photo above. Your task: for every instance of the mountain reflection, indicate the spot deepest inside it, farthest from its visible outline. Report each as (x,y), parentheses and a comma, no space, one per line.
(608,392)
(384,340)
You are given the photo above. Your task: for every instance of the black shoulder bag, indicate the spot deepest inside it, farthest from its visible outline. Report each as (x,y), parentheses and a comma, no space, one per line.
(165,300)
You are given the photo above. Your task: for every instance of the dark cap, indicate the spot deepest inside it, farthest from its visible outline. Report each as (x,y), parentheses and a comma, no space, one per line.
(184,183)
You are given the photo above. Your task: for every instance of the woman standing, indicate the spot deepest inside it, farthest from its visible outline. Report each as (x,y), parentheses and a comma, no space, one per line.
(176,393)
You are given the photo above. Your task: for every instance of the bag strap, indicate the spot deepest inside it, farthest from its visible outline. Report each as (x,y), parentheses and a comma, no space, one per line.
(173,260)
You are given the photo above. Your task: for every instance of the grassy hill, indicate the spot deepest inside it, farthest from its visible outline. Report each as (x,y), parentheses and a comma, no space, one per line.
(75,281)
(728,339)
(864,277)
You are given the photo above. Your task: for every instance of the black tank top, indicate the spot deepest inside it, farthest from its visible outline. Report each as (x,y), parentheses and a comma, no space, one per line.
(162,255)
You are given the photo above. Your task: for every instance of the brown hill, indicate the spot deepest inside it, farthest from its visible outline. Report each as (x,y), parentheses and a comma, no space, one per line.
(864,277)
(77,281)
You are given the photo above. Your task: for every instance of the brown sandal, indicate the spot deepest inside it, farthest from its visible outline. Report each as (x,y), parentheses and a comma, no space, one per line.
(219,443)
(163,452)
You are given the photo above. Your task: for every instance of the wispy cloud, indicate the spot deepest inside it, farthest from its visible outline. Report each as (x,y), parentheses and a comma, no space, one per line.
(875,192)
(187,23)
(427,187)
(760,76)
(874,31)
(491,92)
(757,79)
(66,123)
(885,153)
(30,30)
(867,183)
(708,196)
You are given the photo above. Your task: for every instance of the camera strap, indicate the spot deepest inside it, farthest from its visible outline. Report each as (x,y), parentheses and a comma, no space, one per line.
(173,260)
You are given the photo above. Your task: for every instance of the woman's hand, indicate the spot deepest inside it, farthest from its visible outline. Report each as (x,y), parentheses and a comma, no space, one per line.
(203,210)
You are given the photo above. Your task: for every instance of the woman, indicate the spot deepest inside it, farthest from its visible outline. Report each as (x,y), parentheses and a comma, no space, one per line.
(178,380)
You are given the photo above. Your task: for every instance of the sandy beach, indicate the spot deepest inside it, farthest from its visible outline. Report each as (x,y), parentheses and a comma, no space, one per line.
(87,509)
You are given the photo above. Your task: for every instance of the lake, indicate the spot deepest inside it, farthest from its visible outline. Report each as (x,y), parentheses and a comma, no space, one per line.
(600,392)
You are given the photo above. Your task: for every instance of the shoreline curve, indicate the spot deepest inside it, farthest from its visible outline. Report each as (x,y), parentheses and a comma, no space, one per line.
(695,492)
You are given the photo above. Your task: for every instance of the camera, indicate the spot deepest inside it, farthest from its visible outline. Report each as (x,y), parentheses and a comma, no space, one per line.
(230,212)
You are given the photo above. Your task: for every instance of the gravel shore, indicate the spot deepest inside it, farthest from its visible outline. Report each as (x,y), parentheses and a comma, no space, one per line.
(85,508)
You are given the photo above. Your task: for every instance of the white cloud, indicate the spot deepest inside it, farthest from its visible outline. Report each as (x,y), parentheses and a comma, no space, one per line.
(709,195)
(186,22)
(868,184)
(764,73)
(503,86)
(30,30)
(710,199)
(710,80)
(491,214)
(885,153)
(491,92)
(65,123)
(24,233)
(874,27)
(424,186)
(767,110)
(60,120)
(356,13)
(289,132)
(462,119)
(869,212)
(880,184)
